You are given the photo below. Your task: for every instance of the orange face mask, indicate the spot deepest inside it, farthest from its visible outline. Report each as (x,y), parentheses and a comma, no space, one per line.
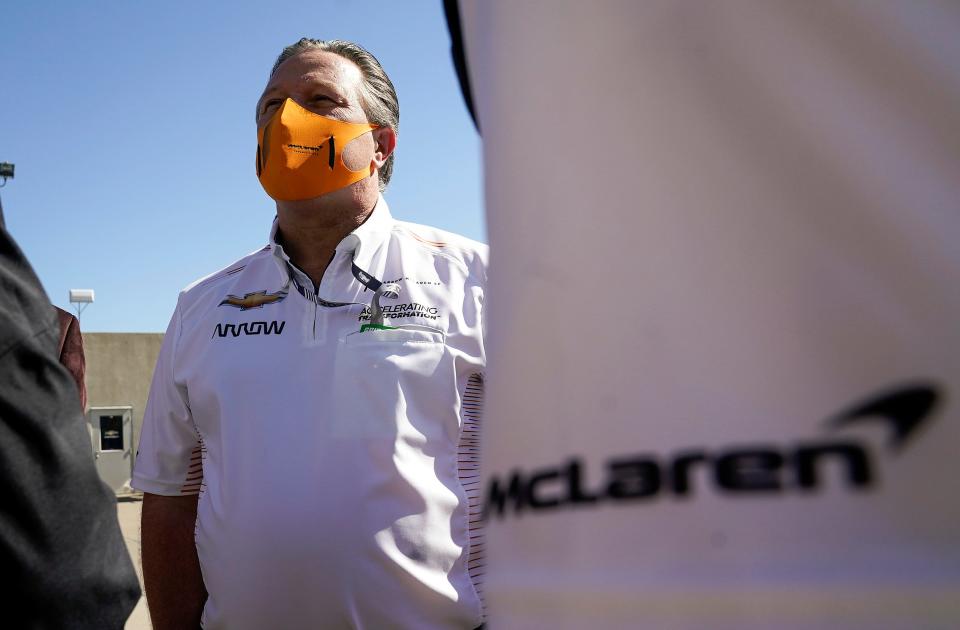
(300,154)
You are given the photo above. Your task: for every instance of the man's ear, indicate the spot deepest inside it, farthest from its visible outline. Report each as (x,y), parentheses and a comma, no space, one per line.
(386,141)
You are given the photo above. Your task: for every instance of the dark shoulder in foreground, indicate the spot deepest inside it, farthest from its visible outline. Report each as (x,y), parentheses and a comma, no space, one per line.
(60,542)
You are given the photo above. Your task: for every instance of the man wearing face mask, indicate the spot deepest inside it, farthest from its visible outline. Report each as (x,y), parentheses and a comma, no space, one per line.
(309,450)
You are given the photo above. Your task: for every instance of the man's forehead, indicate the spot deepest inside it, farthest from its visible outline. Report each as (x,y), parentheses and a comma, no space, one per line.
(315,67)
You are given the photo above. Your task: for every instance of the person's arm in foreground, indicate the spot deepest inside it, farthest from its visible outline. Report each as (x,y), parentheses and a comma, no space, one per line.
(62,556)
(171,570)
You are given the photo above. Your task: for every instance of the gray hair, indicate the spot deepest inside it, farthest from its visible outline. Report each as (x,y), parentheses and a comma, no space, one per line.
(378,98)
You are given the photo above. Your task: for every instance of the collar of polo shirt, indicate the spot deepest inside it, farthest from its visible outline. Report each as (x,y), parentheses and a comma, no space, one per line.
(362,243)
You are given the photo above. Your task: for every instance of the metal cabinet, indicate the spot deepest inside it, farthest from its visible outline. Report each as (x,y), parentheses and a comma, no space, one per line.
(111,435)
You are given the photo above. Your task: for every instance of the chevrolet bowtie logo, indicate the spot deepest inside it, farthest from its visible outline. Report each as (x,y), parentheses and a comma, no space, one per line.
(254,300)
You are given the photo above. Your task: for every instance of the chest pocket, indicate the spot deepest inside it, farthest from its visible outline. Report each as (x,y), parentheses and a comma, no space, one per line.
(395,384)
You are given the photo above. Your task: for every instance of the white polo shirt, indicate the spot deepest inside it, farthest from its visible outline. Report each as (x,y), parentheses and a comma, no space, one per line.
(336,468)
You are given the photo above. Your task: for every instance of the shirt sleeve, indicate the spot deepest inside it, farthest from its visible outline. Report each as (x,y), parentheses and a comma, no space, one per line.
(169,459)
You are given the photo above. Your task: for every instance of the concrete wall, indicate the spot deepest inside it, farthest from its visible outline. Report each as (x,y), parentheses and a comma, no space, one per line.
(119,370)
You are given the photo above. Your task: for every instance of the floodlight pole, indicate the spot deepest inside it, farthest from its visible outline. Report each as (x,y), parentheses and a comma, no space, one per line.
(80,309)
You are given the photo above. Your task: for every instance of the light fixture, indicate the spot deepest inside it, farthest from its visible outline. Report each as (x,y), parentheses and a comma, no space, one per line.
(6,172)
(81,298)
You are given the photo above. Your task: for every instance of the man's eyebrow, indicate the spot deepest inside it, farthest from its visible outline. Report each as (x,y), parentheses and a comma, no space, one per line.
(269,91)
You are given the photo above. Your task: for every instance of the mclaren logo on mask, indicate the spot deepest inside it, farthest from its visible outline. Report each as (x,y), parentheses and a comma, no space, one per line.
(253,300)
(749,469)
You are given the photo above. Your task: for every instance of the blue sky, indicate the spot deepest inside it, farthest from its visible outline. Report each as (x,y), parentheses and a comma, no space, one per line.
(131,125)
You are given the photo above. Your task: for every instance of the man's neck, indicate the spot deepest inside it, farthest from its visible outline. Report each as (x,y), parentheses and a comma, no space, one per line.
(310,230)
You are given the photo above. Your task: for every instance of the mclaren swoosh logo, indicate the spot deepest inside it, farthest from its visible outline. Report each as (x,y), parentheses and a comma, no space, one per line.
(254,300)
(761,469)
(904,410)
